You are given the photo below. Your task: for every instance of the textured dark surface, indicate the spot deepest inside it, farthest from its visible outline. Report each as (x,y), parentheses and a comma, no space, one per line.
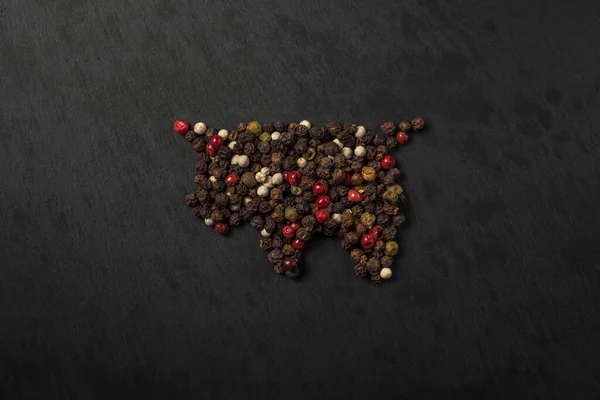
(110,288)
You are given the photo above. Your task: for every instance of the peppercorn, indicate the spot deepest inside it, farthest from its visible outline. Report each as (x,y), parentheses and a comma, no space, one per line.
(360,270)
(391,248)
(398,220)
(389,233)
(373,266)
(181,126)
(235,219)
(254,127)
(197,212)
(275,255)
(216,215)
(190,136)
(385,273)
(309,222)
(191,200)
(280,126)
(417,124)
(368,219)
(405,126)
(218,186)
(389,128)
(334,128)
(265,207)
(303,234)
(368,174)
(290,214)
(266,243)
(221,200)
(288,249)
(264,148)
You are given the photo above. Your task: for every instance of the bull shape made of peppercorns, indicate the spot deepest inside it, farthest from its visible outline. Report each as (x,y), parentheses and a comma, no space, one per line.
(294,181)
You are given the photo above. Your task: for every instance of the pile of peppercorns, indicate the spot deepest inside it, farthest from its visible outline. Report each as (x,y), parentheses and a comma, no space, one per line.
(294,181)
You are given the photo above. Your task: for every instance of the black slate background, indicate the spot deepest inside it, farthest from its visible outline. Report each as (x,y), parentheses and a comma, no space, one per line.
(109,288)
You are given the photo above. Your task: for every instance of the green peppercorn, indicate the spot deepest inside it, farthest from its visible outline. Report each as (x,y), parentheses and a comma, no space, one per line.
(390,196)
(264,137)
(391,248)
(368,219)
(254,127)
(290,214)
(296,190)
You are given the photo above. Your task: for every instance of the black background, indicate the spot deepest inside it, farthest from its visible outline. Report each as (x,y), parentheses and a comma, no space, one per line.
(110,288)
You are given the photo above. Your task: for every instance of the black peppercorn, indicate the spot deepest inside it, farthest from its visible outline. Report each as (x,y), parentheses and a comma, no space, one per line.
(303,234)
(197,212)
(221,200)
(191,200)
(235,219)
(278,242)
(224,153)
(266,244)
(280,126)
(389,128)
(275,255)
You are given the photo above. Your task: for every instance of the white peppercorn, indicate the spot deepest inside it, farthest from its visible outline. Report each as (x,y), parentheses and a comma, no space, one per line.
(260,177)
(263,191)
(269,182)
(275,135)
(209,222)
(347,152)
(306,124)
(244,161)
(360,132)
(360,151)
(223,133)
(301,162)
(385,273)
(264,233)
(200,128)
(277,179)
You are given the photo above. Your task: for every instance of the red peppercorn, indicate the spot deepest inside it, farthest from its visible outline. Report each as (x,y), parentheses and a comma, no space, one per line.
(210,150)
(388,162)
(354,196)
(232,178)
(290,263)
(322,216)
(368,241)
(320,188)
(296,225)
(221,228)
(401,137)
(288,231)
(216,142)
(323,202)
(181,126)
(297,244)
(286,175)
(348,179)
(377,231)
(294,178)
